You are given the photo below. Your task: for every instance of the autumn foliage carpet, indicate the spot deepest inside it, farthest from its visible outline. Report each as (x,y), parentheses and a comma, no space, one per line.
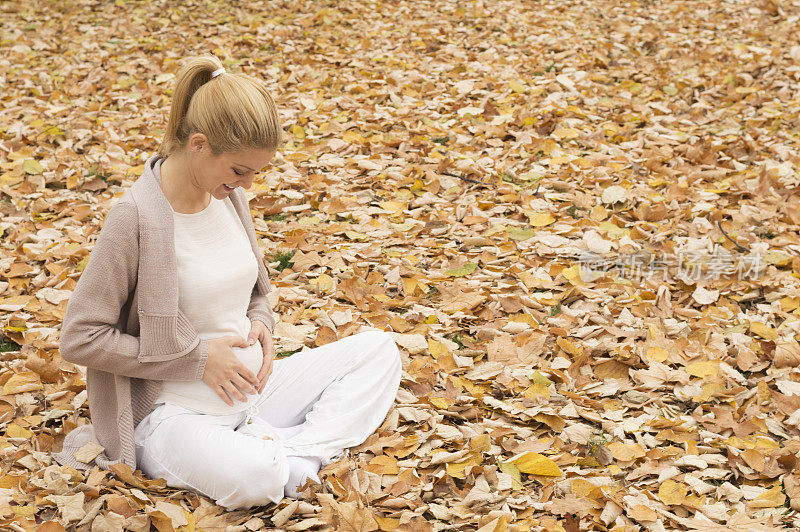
(449,170)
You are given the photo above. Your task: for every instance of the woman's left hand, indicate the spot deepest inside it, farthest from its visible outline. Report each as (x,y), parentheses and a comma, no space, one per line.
(258,330)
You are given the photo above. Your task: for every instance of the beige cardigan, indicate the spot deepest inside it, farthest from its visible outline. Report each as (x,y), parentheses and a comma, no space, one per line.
(123,322)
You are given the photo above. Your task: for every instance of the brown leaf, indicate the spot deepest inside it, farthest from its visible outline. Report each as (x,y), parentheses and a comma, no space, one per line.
(787,354)
(50,526)
(346,516)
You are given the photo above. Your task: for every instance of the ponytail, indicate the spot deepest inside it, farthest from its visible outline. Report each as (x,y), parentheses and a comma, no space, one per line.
(233,111)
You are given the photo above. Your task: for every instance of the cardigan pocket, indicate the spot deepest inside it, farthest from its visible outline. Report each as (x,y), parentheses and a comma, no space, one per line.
(165,337)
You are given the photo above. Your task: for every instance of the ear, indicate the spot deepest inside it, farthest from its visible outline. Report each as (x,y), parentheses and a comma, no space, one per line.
(198,143)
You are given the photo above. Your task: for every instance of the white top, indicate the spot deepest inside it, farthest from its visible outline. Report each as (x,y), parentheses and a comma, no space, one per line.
(217,271)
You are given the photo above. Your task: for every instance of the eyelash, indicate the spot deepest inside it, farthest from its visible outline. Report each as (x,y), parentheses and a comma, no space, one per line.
(237,172)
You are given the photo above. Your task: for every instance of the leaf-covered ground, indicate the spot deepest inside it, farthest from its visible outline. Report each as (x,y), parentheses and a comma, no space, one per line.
(578,218)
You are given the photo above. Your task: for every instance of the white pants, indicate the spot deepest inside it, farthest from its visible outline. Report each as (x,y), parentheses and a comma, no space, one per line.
(340,393)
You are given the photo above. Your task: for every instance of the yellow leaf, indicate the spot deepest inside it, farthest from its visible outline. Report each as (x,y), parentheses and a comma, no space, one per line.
(559,160)
(659,354)
(569,347)
(754,459)
(583,488)
(458,469)
(624,452)
(386,524)
(15,431)
(32,166)
(694,501)
(565,133)
(516,86)
(441,403)
(540,219)
(26,381)
(772,498)
(777,258)
(671,493)
(764,331)
(354,235)
(480,443)
(703,368)
(640,512)
(9,481)
(297,156)
(537,464)
(522,317)
(392,206)
(670,90)
(551,420)
(789,304)
(135,170)
(537,390)
(613,231)
(512,470)
(25,511)
(11,178)
(520,233)
(383,465)
(573,275)
(437,348)
(163,78)
(53,131)
(352,136)
(403,227)
(323,283)
(308,220)
(191,524)
(298,131)
(14,303)
(461,271)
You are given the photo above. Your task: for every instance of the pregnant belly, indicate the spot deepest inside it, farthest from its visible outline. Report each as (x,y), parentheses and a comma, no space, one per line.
(251,356)
(198,396)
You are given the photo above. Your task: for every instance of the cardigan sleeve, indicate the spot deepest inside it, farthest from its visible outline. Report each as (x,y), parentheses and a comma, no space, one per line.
(89,333)
(259,309)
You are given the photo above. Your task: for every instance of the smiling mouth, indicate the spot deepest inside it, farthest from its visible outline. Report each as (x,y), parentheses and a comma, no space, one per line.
(227,187)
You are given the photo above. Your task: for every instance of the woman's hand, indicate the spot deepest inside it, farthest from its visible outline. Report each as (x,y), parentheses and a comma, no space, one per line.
(258,330)
(224,372)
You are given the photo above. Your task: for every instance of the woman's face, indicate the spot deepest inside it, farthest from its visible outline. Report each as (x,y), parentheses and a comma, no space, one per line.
(215,173)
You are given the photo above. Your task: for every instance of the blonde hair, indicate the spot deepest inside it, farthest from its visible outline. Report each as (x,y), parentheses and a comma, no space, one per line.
(234,111)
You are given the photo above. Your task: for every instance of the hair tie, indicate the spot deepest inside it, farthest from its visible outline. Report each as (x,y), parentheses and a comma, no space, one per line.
(217,72)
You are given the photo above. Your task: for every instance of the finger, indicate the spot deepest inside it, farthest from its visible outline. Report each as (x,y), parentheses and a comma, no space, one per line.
(224,395)
(243,385)
(265,369)
(249,376)
(235,391)
(265,377)
(267,374)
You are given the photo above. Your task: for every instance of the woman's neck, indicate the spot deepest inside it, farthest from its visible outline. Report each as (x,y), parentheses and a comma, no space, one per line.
(183,194)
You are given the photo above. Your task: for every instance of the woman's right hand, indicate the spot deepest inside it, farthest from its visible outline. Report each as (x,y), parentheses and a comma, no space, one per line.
(225,373)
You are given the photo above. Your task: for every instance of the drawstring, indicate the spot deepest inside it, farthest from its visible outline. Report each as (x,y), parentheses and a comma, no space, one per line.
(251,411)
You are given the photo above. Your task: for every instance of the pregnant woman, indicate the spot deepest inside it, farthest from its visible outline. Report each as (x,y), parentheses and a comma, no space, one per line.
(171,319)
